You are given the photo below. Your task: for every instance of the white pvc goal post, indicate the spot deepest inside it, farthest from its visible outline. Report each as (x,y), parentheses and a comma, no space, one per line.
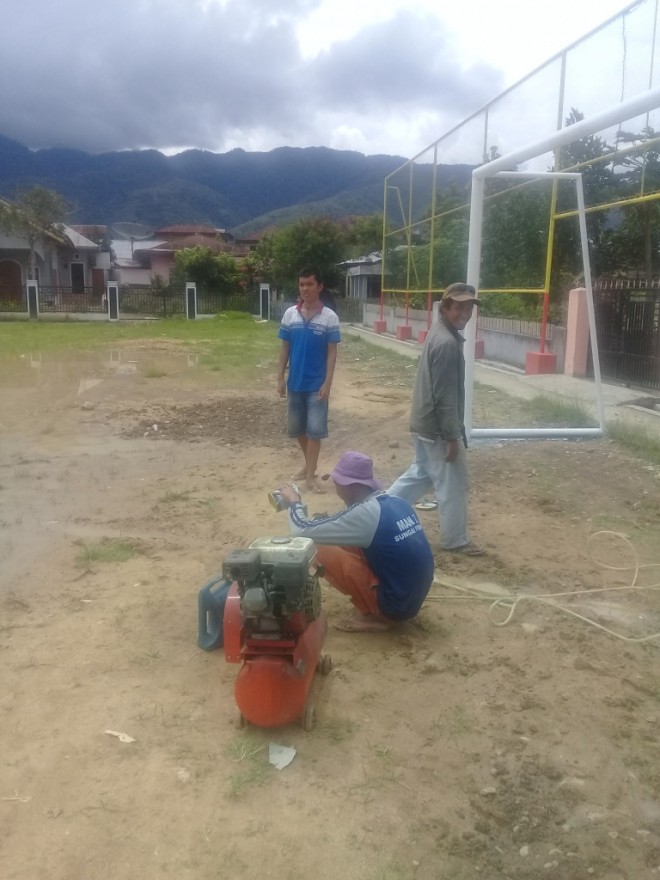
(617,114)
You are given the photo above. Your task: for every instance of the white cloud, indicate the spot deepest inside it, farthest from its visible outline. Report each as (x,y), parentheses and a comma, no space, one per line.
(382,76)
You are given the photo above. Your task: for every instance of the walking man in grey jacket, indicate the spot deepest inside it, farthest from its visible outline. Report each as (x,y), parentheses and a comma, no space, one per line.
(437,423)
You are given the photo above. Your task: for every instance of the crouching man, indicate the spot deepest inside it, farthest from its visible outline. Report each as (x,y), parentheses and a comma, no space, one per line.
(374,550)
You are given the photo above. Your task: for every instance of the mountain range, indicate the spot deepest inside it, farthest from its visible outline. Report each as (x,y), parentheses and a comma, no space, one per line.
(239,191)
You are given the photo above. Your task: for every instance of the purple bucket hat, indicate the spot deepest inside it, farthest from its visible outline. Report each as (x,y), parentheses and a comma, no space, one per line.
(354,467)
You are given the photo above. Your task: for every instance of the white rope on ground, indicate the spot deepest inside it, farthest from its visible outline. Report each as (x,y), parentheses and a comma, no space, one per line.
(512,600)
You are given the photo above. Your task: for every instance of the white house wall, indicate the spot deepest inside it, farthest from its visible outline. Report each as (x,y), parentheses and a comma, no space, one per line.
(16,249)
(132,276)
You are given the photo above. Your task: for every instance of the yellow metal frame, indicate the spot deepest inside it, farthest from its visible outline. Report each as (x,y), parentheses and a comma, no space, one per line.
(554,217)
(405,173)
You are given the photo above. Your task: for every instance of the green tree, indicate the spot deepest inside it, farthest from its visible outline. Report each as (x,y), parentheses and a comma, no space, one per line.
(33,213)
(515,237)
(451,234)
(217,273)
(315,241)
(364,235)
(600,186)
(260,260)
(637,236)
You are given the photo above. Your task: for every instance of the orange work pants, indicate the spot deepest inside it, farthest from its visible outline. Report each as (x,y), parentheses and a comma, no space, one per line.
(346,569)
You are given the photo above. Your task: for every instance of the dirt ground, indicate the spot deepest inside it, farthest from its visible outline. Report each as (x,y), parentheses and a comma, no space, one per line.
(447,749)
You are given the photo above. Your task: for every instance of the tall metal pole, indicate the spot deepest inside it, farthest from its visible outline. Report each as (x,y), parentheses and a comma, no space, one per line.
(473,278)
(586,262)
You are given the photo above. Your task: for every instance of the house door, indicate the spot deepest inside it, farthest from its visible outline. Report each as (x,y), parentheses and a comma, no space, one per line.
(77,278)
(98,282)
(10,281)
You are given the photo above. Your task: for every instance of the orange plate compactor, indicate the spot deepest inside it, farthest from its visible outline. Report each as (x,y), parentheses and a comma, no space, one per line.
(274,626)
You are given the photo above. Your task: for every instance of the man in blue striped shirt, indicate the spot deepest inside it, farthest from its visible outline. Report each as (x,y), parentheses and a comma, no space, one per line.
(310,333)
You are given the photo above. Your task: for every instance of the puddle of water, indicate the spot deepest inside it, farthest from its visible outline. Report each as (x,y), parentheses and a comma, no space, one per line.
(87,369)
(36,389)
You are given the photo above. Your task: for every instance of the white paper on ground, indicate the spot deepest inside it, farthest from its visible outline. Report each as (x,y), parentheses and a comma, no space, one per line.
(280,756)
(122,737)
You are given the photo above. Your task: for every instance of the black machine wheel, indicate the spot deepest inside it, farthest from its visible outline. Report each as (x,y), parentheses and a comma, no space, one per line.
(325,664)
(308,719)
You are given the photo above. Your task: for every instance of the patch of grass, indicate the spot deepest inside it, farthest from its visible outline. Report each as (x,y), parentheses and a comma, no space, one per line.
(249,753)
(16,603)
(393,871)
(625,525)
(225,336)
(105,550)
(364,791)
(382,752)
(390,365)
(454,724)
(173,497)
(154,373)
(636,439)
(208,505)
(337,729)
(551,412)
(234,316)
(245,748)
(240,354)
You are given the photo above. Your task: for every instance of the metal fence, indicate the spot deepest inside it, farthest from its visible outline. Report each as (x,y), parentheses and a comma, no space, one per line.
(145,301)
(161,302)
(349,311)
(170,301)
(628,330)
(70,299)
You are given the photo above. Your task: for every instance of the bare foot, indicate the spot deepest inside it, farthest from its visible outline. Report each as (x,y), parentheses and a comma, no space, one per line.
(301,475)
(363,623)
(315,487)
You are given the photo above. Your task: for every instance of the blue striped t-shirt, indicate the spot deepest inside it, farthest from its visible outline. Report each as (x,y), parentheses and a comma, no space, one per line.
(308,347)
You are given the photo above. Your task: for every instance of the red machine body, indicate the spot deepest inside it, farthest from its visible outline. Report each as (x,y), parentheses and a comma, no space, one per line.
(280,646)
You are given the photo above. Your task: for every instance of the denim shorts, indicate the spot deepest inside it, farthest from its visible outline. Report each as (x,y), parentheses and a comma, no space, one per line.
(307,415)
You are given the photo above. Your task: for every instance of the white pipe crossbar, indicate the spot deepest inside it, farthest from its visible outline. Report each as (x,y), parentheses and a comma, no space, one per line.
(636,106)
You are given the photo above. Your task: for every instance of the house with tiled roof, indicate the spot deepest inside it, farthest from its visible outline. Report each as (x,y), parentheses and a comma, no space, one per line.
(140,262)
(183,230)
(64,259)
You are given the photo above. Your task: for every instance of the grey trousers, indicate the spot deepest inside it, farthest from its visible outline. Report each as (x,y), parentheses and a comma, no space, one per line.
(451,483)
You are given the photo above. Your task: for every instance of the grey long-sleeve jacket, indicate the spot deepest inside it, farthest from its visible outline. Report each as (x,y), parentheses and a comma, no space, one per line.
(438,402)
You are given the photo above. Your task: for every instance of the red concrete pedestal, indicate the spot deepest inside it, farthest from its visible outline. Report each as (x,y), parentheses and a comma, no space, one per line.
(478,348)
(404,331)
(421,336)
(537,362)
(380,326)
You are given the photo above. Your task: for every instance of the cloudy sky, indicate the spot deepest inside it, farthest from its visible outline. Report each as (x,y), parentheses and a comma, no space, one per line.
(377,76)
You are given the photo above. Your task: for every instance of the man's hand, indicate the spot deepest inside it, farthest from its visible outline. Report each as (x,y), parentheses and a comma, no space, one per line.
(452,450)
(281,386)
(324,391)
(289,494)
